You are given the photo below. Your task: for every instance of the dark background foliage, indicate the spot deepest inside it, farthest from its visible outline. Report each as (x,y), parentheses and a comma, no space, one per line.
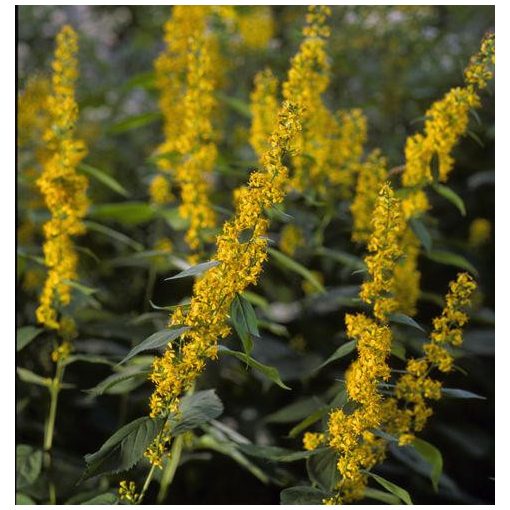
(392,62)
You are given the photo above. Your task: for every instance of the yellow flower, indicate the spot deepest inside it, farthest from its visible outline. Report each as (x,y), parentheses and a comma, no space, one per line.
(479,232)
(32,110)
(127,491)
(347,137)
(63,189)
(480,68)
(384,246)
(312,440)
(256,26)
(239,265)
(264,109)
(187,75)
(371,176)
(291,238)
(159,190)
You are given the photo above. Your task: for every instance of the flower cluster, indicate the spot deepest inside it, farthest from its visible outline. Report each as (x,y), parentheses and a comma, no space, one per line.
(291,239)
(127,492)
(255,25)
(239,265)
(384,246)
(372,174)
(347,139)
(186,77)
(63,189)
(480,68)
(415,387)
(264,109)
(308,79)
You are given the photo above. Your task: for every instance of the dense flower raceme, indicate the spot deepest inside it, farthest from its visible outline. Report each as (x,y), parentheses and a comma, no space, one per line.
(415,387)
(64,191)
(328,144)
(446,122)
(264,109)
(239,265)
(351,435)
(255,25)
(187,72)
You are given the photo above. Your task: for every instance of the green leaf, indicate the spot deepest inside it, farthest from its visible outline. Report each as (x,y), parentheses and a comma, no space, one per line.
(344,258)
(113,234)
(25,335)
(421,233)
(196,410)
(433,456)
(322,469)
(401,493)
(124,448)
(104,178)
(277,454)
(295,411)
(110,384)
(28,465)
(288,263)
(108,498)
(270,372)
(29,377)
(84,289)
(127,213)
(384,497)
(229,448)
(342,351)
(458,393)
(135,122)
(156,340)
(87,358)
(255,299)
(451,196)
(144,80)
(194,270)
(173,218)
(451,259)
(244,320)
(302,495)
(308,421)
(398,350)
(401,318)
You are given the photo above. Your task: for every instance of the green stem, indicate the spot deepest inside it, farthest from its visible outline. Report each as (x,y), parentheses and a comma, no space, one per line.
(146,484)
(170,468)
(50,422)
(49,428)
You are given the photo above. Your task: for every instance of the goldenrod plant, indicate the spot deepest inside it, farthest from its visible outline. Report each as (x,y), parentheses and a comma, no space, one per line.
(255,255)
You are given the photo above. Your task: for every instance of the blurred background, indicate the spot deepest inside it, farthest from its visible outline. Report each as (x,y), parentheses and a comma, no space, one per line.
(390,61)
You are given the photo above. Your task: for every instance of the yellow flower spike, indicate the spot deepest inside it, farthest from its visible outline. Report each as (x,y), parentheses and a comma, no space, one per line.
(256,26)
(63,189)
(186,76)
(371,176)
(240,264)
(384,246)
(264,108)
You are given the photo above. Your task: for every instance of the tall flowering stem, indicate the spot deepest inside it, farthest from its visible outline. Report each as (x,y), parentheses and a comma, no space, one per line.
(187,75)
(446,122)
(239,265)
(351,435)
(63,189)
